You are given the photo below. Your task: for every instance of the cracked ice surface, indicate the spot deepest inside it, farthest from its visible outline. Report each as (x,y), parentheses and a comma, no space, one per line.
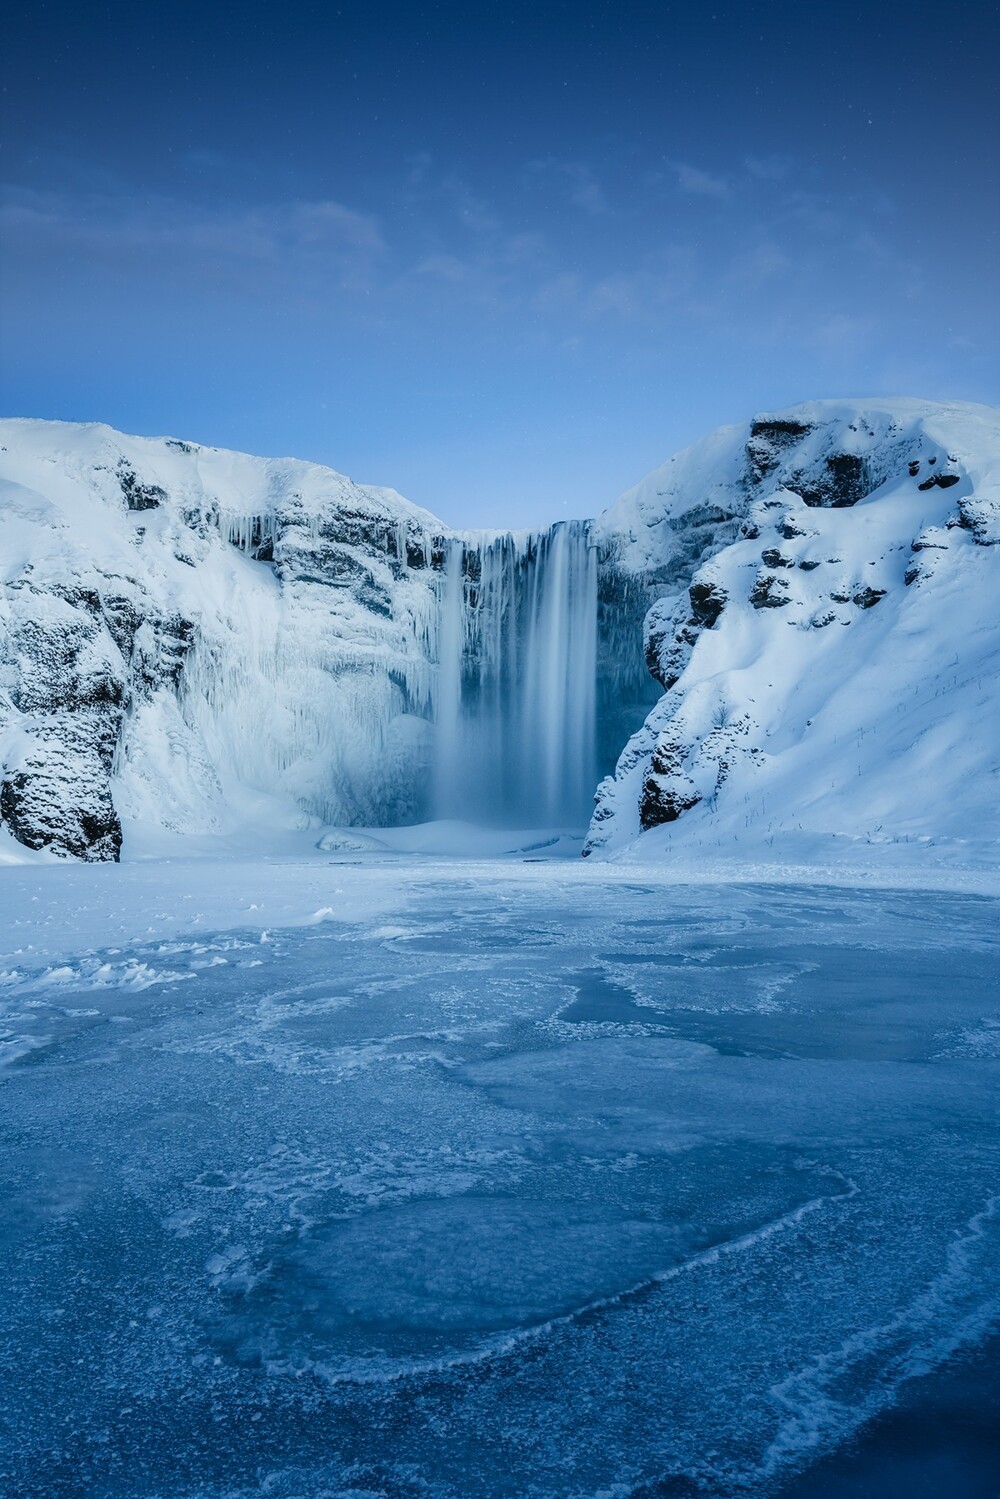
(523,1182)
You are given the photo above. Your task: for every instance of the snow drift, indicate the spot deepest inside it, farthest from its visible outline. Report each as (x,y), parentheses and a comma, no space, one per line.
(192,638)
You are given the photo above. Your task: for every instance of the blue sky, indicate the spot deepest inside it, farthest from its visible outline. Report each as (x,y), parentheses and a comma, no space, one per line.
(505,258)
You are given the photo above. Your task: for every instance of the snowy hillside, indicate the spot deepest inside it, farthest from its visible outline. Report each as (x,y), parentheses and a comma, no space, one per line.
(828,635)
(200,641)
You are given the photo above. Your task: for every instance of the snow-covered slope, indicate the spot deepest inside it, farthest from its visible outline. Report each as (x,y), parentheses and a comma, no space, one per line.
(828,633)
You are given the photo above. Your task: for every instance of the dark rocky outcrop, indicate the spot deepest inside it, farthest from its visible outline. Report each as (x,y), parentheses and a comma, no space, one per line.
(666,791)
(671,631)
(138,496)
(708,600)
(939,481)
(78,660)
(770,437)
(769,592)
(843,481)
(61,800)
(866,598)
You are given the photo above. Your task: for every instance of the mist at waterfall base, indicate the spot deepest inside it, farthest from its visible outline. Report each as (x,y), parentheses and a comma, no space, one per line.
(515,707)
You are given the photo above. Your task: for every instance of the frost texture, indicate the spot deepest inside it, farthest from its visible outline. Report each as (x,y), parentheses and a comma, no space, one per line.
(651,1187)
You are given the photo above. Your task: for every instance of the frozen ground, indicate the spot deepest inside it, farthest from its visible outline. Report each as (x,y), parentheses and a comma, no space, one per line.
(363,1174)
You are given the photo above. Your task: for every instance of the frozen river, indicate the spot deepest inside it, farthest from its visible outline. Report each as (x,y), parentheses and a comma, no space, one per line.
(509,1180)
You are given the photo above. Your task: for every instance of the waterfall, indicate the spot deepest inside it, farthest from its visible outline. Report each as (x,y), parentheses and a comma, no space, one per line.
(515,699)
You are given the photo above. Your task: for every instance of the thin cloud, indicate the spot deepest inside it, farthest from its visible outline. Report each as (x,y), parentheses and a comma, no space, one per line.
(769,168)
(578,181)
(699,183)
(124,225)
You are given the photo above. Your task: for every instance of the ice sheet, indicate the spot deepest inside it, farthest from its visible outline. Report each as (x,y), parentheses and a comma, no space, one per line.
(487,1180)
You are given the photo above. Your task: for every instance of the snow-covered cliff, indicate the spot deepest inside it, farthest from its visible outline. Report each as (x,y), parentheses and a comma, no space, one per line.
(827,637)
(196,639)
(178,621)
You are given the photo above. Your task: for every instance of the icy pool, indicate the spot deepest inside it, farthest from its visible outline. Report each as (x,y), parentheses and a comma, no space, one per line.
(507,1182)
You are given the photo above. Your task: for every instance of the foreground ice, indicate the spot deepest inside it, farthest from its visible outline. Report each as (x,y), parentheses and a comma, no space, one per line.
(513,1180)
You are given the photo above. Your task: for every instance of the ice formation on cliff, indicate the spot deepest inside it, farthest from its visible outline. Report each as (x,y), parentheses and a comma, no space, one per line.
(189,637)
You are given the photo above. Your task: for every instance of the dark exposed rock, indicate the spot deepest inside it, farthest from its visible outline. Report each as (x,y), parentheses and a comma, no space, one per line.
(60,799)
(866,597)
(780,431)
(664,801)
(78,596)
(790,530)
(122,618)
(138,496)
(939,481)
(834,479)
(771,557)
(667,791)
(808,564)
(914,467)
(769,592)
(79,660)
(707,602)
(769,438)
(842,483)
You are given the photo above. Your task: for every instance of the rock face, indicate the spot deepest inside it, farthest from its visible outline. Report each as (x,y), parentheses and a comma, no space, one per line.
(828,651)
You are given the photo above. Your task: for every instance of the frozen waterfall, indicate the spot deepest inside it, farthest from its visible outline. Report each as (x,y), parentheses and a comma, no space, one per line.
(515,698)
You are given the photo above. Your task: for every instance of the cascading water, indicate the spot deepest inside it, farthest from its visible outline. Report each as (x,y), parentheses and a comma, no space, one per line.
(515,699)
